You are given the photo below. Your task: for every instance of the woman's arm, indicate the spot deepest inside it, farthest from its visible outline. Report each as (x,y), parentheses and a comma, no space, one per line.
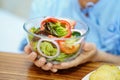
(90,54)
(107,57)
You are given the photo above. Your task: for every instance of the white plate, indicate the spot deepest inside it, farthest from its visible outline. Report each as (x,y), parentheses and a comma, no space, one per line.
(87,76)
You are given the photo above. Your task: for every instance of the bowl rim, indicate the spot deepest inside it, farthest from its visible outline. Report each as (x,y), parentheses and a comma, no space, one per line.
(41,36)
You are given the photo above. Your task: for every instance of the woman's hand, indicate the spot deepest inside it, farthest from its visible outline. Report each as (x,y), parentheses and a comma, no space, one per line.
(41,62)
(89,54)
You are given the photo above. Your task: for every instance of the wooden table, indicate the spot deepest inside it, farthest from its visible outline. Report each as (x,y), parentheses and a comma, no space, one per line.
(17,67)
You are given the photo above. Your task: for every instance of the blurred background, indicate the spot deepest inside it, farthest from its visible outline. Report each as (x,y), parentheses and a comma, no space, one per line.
(13,14)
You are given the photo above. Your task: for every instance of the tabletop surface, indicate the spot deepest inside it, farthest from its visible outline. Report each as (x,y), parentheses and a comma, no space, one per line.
(17,67)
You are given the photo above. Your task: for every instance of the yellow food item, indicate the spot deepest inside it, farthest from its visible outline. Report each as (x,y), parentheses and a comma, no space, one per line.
(106,72)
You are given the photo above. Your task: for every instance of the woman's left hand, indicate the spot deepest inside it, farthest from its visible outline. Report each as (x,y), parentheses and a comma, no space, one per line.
(89,54)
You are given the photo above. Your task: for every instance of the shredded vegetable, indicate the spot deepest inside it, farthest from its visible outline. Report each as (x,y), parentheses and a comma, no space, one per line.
(62,57)
(55,29)
(34,45)
(48,49)
(55,50)
(32,30)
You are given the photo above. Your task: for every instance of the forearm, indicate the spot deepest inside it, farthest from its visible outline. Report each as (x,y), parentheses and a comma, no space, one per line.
(106,57)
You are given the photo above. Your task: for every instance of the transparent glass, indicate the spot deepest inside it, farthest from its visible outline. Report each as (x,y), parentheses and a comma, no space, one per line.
(66,48)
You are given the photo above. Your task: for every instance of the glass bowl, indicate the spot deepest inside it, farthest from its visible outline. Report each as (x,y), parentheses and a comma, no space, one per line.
(55,49)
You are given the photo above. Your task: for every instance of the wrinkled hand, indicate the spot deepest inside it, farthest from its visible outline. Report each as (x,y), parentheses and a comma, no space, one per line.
(88,54)
(41,62)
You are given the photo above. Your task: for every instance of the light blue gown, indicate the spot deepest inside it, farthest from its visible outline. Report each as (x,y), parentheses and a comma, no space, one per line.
(103,20)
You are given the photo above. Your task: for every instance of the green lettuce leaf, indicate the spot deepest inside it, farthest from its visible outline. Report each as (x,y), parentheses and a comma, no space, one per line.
(56,29)
(48,49)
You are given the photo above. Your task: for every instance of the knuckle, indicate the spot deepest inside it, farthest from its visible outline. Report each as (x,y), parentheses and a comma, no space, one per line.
(45,68)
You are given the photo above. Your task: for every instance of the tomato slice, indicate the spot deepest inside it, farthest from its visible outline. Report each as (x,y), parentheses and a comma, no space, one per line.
(68,49)
(72,23)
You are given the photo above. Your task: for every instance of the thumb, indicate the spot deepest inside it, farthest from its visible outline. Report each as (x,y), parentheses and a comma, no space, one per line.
(88,46)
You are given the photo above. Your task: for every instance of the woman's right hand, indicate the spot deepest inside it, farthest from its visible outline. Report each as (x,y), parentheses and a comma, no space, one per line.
(41,62)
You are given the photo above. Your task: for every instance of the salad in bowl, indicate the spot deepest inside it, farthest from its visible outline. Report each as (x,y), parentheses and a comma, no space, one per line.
(56,39)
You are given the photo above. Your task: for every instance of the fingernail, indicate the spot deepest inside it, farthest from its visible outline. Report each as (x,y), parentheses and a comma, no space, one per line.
(54,70)
(42,59)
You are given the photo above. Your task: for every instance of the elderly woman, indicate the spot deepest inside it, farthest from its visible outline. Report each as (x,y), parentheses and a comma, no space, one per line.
(102,42)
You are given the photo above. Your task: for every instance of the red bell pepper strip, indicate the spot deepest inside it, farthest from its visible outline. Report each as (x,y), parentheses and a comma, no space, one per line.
(63,22)
(68,28)
(54,20)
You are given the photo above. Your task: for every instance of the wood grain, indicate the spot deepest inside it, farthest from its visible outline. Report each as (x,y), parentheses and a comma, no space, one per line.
(17,67)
